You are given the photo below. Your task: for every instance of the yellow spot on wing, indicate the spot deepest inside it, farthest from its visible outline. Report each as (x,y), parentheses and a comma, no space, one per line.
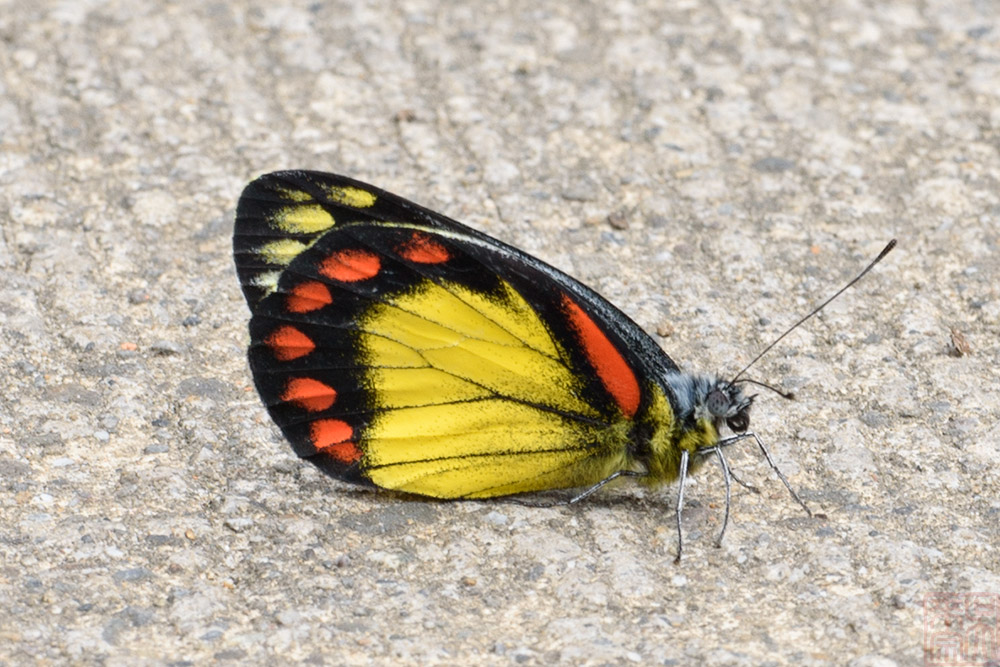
(294,195)
(267,281)
(351,196)
(303,219)
(281,252)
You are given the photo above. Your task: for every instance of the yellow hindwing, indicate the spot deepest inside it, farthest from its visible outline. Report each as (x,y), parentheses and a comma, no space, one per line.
(503,415)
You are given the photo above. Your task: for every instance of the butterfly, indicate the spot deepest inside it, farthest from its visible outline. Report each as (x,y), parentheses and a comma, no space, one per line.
(398,348)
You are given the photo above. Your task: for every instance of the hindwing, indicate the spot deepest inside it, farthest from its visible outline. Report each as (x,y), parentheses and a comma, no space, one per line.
(397,347)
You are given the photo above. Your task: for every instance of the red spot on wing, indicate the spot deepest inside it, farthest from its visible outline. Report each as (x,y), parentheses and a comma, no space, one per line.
(309,394)
(307,297)
(333,437)
(350,266)
(422,249)
(288,343)
(615,373)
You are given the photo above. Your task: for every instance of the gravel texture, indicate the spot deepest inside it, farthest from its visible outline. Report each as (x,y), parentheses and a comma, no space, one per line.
(712,168)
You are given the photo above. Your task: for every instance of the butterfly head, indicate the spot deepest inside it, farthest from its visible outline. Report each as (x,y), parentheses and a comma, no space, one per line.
(706,403)
(726,402)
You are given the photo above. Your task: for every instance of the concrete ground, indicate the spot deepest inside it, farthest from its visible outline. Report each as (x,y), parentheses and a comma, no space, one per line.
(713,168)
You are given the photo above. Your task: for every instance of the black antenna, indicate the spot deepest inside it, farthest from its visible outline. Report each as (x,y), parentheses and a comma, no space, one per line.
(885,251)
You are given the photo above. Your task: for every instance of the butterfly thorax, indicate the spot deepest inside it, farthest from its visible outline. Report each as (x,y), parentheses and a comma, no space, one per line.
(690,420)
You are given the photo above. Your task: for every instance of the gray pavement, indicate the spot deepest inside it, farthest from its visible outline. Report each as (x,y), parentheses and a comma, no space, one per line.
(714,169)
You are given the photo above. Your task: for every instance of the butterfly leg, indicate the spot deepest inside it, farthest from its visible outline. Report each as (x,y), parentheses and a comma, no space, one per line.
(781,476)
(613,476)
(746,485)
(725,442)
(726,474)
(680,504)
(586,493)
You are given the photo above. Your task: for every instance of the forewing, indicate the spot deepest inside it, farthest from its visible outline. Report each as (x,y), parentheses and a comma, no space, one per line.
(283,213)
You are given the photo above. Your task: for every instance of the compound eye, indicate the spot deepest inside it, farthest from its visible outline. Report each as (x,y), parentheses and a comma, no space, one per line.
(740,422)
(717,402)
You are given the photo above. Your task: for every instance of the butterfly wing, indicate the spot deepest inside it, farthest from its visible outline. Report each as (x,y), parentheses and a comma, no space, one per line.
(396,347)
(282,213)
